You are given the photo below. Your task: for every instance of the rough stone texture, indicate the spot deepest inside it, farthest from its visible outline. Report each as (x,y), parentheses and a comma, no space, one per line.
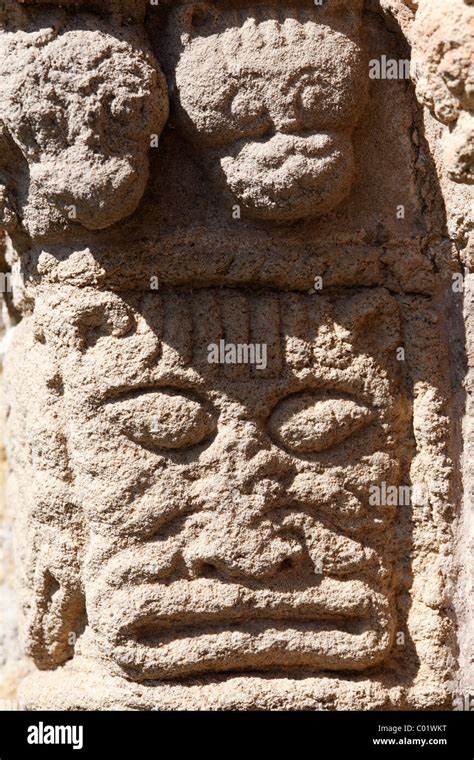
(79,101)
(443,54)
(269,74)
(13,664)
(199,534)
(443,51)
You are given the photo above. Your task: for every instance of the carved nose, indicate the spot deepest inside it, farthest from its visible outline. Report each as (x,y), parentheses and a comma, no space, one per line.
(243,441)
(241,554)
(249,454)
(283,116)
(239,538)
(286,124)
(236,537)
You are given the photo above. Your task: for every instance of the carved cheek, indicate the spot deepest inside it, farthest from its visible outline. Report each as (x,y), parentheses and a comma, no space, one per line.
(205,89)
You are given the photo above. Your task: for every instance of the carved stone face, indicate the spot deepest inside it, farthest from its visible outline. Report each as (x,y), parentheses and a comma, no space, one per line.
(272,96)
(80,99)
(227,505)
(198,531)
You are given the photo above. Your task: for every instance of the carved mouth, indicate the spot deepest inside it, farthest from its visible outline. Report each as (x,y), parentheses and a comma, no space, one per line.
(158,639)
(251,645)
(291,174)
(158,633)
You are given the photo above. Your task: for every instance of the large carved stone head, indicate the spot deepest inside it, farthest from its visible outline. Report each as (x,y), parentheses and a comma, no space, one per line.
(271,93)
(195,526)
(225,514)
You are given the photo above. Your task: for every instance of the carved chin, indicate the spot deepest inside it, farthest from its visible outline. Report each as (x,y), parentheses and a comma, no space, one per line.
(97,191)
(289,177)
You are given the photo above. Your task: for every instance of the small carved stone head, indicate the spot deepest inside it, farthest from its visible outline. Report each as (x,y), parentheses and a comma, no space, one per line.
(272,93)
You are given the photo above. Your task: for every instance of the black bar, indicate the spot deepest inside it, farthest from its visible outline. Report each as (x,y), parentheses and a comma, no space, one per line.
(157,735)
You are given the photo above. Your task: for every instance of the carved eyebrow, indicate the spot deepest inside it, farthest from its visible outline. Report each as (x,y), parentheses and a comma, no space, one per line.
(325,392)
(131,392)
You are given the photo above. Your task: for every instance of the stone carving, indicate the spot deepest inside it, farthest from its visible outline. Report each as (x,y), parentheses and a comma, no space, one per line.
(234,521)
(443,53)
(275,127)
(79,100)
(239,535)
(211,449)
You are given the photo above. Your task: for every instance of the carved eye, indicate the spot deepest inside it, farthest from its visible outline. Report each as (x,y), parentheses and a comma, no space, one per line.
(245,106)
(318,103)
(249,115)
(165,419)
(307,423)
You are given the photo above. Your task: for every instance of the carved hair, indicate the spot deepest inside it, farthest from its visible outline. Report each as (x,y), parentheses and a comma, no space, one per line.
(192,17)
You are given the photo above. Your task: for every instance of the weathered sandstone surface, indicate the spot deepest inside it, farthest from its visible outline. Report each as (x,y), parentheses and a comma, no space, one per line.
(239,389)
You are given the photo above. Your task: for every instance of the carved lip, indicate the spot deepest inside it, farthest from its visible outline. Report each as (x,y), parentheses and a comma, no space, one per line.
(201,604)
(253,645)
(187,627)
(315,153)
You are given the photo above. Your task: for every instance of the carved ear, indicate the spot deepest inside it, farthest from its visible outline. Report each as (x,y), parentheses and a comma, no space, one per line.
(109,316)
